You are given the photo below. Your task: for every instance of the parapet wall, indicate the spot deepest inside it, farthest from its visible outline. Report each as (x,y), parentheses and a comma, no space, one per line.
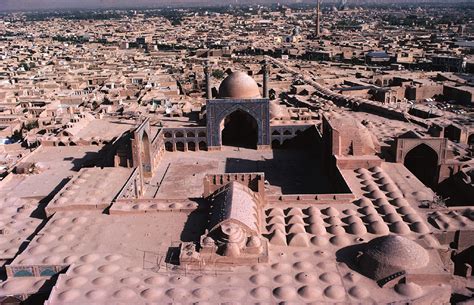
(254,181)
(311,198)
(357,162)
(132,188)
(33,270)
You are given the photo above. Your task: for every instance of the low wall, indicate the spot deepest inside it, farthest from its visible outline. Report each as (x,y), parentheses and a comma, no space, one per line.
(311,198)
(255,181)
(153,205)
(132,188)
(33,270)
(357,162)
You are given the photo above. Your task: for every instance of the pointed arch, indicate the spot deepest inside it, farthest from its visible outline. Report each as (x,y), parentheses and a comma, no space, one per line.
(180,146)
(202,145)
(218,110)
(247,115)
(276,144)
(239,129)
(145,153)
(470,140)
(422,161)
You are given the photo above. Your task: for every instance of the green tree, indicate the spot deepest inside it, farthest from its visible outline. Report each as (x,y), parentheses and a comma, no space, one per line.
(30,125)
(218,74)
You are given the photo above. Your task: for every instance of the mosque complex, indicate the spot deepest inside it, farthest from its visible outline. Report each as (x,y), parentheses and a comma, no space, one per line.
(248,202)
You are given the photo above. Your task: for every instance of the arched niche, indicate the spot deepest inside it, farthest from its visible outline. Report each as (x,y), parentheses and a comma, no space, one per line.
(422,161)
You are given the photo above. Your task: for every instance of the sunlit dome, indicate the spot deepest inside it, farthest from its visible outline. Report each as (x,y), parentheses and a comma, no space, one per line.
(389,254)
(239,85)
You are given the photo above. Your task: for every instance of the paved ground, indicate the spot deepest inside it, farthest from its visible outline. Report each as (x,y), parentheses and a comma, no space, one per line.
(287,171)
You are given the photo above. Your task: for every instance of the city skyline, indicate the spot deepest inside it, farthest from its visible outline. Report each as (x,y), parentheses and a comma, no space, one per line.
(29,5)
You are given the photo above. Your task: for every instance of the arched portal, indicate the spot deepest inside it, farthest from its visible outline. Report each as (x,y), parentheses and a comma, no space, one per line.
(422,161)
(145,154)
(239,129)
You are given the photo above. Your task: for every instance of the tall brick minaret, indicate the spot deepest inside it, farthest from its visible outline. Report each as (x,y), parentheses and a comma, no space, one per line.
(207,75)
(318,21)
(266,73)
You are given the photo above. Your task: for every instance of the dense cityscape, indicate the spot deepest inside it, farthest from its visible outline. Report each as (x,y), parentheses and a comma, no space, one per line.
(304,153)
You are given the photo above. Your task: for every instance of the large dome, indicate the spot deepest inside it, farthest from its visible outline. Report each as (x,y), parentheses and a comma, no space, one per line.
(239,85)
(389,254)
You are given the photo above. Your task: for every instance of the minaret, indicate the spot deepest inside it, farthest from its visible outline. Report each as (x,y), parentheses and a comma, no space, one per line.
(318,25)
(265,80)
(207,74)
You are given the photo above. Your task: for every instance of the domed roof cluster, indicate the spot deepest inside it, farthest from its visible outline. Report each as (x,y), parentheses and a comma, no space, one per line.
(390,254)
(239,85)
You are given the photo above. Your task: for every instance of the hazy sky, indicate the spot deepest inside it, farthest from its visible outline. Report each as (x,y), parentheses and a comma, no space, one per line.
(52,4)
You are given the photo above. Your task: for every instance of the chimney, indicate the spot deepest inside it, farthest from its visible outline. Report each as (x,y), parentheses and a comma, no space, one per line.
(207,74)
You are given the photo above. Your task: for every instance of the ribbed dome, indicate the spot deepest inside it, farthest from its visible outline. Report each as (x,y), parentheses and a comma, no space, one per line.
(389,254)
(239,85)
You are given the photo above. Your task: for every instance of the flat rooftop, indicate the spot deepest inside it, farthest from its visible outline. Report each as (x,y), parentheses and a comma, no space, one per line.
(106,129)
(102,183)
(54,165)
